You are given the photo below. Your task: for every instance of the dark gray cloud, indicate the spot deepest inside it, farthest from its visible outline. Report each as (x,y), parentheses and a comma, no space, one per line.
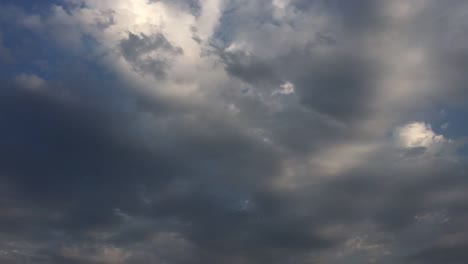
(359,17)
(91,169)
(95,179)
(148,53)
(333,72)
(339,85)
(448,254)
(250,69)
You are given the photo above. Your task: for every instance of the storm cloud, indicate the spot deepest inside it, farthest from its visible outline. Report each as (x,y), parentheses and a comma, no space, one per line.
(231,131)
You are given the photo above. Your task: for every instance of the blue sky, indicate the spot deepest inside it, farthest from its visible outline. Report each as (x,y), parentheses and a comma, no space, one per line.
(231,131)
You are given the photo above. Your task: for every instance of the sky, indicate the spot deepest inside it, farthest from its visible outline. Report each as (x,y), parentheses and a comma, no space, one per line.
(233,131)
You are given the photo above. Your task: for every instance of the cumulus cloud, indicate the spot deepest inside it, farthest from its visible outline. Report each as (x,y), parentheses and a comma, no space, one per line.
(417,134)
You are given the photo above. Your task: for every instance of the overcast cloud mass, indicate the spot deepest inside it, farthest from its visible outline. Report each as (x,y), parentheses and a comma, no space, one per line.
(233,131)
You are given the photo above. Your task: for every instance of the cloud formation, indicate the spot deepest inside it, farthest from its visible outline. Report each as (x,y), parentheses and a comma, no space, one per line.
(232,131)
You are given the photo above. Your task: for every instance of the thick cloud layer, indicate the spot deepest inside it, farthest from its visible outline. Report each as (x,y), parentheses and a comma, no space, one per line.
(232,131)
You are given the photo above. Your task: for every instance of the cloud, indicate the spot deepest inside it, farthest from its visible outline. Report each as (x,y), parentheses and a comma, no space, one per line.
(285,89)
(29,81)
(417,134)
(232,131)
(142,53)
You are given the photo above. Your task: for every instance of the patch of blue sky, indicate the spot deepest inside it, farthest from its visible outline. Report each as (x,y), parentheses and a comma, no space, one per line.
(39,53)
(31,5)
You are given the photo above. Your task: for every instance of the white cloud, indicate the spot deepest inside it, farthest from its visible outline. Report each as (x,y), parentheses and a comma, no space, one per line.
(286,88)
(417,134)
(280,3)
(110,22)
